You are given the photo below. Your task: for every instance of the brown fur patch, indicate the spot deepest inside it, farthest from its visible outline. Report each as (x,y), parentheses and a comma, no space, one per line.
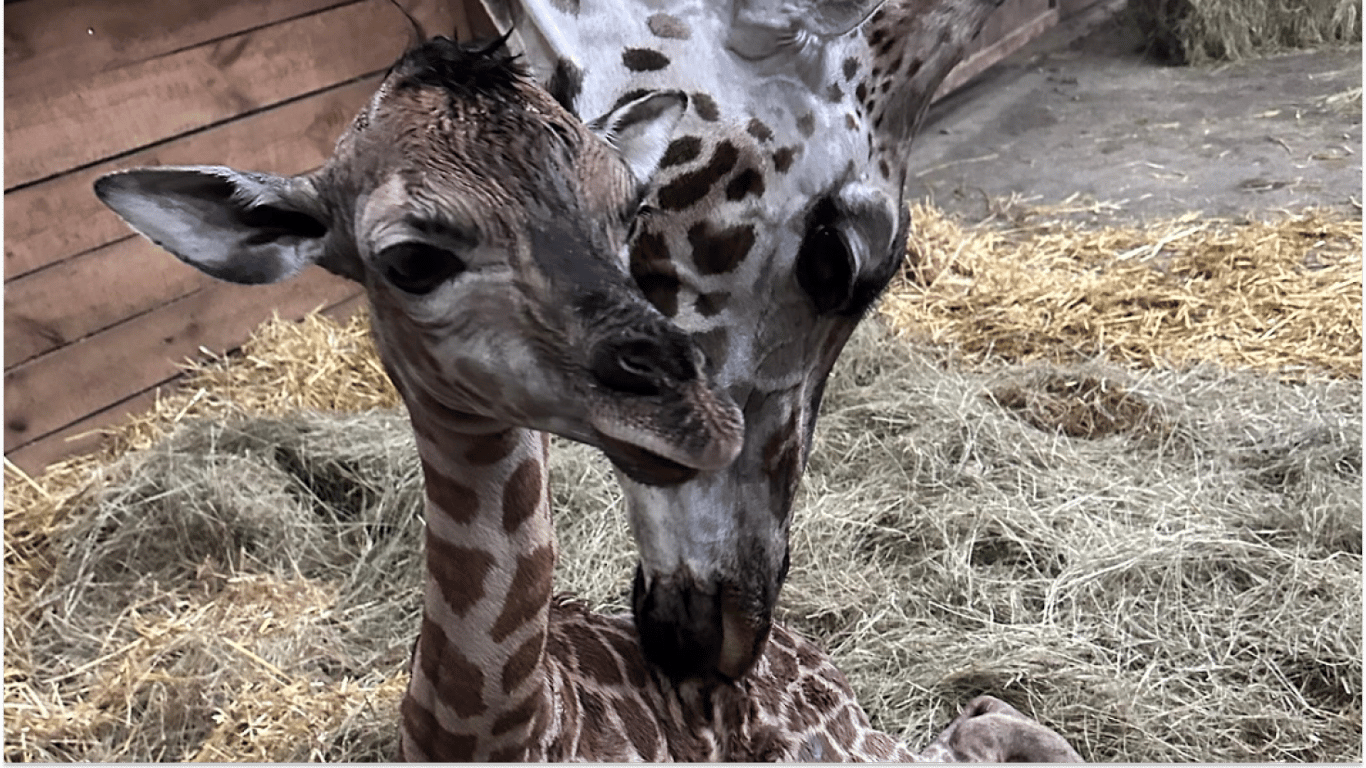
(528,593)
(705,106)
(457,681)
(458,571)
(694,185)
(519,715)
(782,159)
(746,182)
(716,253)
(492,449)
(522,494)
(711,304)
(842,728)
(640,727)
(439,744)
(759,130)
(655,273)
(807,124)
(596,661)
(643,60)
(628,650)
(523,662)
(668,26)
(455,499)
(683,149)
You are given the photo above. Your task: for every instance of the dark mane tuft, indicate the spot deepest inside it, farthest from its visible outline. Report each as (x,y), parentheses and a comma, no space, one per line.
(485,66)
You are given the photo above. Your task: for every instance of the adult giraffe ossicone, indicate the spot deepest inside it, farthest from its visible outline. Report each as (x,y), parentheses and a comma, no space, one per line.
(778,220)
(489,229)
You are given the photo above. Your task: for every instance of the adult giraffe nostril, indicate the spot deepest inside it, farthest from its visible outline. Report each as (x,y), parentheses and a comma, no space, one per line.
(689,632)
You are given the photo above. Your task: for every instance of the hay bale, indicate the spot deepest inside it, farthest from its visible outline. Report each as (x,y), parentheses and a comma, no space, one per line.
(1199,31)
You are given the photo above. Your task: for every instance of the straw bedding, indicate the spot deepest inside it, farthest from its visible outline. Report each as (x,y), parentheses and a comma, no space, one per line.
(1155,549)
(1199,31)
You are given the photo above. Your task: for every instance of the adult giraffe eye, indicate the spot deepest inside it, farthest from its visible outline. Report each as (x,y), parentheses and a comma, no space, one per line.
(825,268)
(418,268)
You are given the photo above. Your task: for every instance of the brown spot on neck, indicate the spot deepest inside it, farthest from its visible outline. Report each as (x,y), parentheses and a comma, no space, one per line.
(528,593)
(459,572)
(522,494)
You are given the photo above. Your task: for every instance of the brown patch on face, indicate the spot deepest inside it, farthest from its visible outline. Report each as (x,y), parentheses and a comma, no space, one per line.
(522,494)
(861,92)
(523,662)
(458,571)
(683,149)
(643,60)
(850,121)
(711,304)
(456,500)
(595,659)
(807,124)
(705,106)
(883,169)
(654,272)
(440,745)
(746,182)
(833,93)
(491,449)
(782,454)
(640,727)
(715,343)
(782,159)
(519,715)
(457,681)
(694,185)
(528,593)
(716,253)
(668,26)
(759,130)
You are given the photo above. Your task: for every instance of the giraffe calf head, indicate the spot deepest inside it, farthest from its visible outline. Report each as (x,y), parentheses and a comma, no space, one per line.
(488,227)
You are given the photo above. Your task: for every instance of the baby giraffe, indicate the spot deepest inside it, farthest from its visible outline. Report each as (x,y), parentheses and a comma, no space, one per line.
(488,227)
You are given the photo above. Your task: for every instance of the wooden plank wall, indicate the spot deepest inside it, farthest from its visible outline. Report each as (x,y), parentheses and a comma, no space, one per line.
(96,318)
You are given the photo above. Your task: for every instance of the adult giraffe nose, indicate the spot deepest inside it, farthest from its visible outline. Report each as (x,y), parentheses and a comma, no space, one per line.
(643,365)
(692,630)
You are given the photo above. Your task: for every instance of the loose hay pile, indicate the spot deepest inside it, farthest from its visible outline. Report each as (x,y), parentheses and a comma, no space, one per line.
(1163,564)
(1281,296)
(1196,31)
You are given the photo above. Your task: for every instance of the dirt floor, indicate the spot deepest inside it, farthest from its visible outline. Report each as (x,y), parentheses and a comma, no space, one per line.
(1093,114)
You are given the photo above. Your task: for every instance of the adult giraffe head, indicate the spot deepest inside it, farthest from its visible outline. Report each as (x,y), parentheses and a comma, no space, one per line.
(775,222)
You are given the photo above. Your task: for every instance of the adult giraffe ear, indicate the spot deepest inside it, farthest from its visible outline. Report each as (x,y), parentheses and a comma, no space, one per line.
(641,128)
(237,226)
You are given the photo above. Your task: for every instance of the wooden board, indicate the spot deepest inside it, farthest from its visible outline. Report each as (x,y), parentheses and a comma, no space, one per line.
(57,41)
(48,132)
(63,387)
(85,435)
(1010,27)
(289,139)
(81,296)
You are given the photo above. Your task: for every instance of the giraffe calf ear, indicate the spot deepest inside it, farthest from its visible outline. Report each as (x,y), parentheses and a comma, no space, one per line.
(236,226)
(641,128)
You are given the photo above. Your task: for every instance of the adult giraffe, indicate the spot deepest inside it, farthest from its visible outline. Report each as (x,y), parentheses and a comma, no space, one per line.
(776,220)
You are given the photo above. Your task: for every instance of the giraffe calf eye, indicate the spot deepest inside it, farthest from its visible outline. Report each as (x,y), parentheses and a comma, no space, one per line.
(418,268)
